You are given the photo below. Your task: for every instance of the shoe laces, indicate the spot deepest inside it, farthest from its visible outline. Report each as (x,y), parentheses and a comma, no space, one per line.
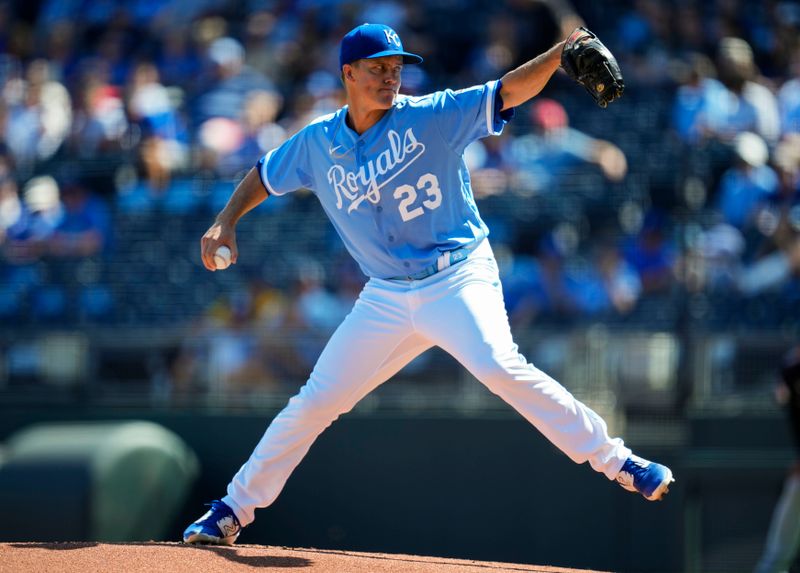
(637,467)
(219,505)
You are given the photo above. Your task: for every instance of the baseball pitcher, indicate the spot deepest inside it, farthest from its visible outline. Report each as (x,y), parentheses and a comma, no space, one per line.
(389,172)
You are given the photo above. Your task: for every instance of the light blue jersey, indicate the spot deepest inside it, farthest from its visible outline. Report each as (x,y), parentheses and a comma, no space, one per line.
(399,195)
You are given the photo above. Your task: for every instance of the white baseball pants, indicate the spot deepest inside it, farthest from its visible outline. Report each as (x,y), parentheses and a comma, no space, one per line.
(459,309)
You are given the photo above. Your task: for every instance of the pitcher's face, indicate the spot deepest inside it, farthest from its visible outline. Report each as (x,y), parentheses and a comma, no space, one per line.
(374,82)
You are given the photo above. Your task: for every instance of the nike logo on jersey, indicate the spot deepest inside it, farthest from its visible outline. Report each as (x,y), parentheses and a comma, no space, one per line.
(370,178)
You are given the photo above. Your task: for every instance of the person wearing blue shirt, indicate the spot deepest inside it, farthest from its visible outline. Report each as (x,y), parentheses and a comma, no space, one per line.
(389,172)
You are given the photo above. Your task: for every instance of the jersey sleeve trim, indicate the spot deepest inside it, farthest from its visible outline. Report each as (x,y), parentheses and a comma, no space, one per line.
(490,127)
(500,114)
(262,174)
(495,118)
(259,168)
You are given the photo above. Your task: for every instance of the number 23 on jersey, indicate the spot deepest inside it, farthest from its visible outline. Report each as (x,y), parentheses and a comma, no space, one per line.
(407,194)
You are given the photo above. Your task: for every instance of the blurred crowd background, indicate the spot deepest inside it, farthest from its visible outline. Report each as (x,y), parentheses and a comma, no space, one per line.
(125,125)
(650,252)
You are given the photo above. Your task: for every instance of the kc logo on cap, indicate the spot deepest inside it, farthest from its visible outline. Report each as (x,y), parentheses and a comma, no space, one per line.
(391,36)
(373,41)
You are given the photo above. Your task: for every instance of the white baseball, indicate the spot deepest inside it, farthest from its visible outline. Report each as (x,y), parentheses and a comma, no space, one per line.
(222,258)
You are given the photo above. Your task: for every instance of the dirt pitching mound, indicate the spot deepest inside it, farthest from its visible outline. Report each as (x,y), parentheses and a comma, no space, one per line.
(180,558)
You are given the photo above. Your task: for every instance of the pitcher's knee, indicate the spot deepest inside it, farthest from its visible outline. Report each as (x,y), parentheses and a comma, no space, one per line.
(319,401)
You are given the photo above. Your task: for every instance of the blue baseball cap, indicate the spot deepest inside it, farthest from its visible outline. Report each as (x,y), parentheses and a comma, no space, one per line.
(373,41)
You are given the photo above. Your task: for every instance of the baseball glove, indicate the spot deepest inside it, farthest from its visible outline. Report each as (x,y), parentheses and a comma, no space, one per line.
(587,61)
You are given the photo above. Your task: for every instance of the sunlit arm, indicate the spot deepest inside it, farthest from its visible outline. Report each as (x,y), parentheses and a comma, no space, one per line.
(524,82)
(247,196)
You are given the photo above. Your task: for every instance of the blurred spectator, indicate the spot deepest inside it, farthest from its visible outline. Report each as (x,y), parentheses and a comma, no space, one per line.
(789,97)
(13,283)
(11,208)
(652,254)
(20,244)
(601,285)
(220,140)
(39,117)
(53,221)
(163,147)
(707,108)
(714,262)
(552,293)
(84,227)
(260,115)
(232,82)
(519,272)
(778,216)
(100,120)
(490,165)
(738,72)
(696,100)
(144,187)
(314,306)
(151,107)
(562,283)
(545,155)
(770,272)
(621,285)
(745,185)
(27,240)
(236,145)
(777,222)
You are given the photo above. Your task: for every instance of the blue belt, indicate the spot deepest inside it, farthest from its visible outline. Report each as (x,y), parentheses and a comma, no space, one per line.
(446,259)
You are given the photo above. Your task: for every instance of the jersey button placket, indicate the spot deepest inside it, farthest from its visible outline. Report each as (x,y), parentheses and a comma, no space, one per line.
(360,151)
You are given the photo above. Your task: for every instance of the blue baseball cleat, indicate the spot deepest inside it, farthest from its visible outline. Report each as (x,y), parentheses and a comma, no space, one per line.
(647,478)
(219,526)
